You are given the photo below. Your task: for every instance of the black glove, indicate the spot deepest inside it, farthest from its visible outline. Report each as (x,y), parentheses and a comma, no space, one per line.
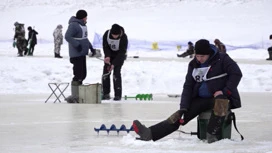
(79,48)
(182,112)
(221,97)
(93,52)
(108,67)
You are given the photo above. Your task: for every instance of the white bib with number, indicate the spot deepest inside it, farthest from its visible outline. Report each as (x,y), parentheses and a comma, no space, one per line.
(113,43)
(200,74)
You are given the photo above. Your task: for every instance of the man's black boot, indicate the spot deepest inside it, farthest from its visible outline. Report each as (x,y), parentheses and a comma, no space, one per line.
(117,98)
(144,132)
(106,97)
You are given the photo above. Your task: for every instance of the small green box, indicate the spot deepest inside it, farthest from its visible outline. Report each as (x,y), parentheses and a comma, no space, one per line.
(202,123)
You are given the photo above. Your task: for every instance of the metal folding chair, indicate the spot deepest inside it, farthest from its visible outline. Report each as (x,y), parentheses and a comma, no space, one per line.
(57,89)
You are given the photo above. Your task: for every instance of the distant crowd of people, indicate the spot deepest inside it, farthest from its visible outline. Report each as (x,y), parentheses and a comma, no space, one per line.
(26,46)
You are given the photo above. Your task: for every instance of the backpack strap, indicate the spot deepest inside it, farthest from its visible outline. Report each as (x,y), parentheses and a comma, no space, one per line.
(234,123)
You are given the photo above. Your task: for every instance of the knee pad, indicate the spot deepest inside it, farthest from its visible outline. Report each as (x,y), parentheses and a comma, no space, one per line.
(174,117)
(221,106)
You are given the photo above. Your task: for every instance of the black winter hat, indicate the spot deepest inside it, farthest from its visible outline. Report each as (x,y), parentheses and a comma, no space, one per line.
(115,29)
(29,28)
(16,23)
(81,14)
(202,47)
(270,37)
(190,43)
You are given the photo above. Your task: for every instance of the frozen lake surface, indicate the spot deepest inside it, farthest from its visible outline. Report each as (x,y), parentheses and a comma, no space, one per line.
(28,125)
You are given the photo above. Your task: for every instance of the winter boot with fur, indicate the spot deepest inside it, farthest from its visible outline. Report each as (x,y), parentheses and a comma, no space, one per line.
(219,112)
(75,92)
(106,97)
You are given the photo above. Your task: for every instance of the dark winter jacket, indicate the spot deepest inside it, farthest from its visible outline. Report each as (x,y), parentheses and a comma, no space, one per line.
(77,35)
(220,65)
(19,32)
(117,56)
(32,36)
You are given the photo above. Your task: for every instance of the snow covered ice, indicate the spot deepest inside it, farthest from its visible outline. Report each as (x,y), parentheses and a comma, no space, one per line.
(28,125)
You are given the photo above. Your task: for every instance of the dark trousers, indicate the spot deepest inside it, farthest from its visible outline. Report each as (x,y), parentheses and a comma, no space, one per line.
(187,53)
(79,68)
(31,48)
(269,53)
(183,54)
(165,128)
(117,80)
(269,49)
(20,44)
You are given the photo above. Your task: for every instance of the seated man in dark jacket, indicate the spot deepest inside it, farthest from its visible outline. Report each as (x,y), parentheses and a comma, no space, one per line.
(211,83)
(190,51)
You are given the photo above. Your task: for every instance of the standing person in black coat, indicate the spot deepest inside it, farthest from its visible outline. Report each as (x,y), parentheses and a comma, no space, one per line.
(32,40)
(115,43)
(211,83)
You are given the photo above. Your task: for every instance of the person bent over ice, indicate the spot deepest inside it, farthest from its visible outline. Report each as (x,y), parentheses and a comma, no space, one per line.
(211,84)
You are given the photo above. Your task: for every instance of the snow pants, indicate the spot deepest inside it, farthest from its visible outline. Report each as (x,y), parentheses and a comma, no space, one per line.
(165,128)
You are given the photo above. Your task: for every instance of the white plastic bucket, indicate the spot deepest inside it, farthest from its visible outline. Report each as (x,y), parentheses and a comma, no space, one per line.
(90,93)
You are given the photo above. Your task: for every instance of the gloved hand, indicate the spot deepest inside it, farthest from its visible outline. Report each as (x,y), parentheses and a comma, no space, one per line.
(111,67)
(79,48)
(108,67)
(221,97)
(107,60)
(182,112)
(177,116)
(93,51)
(14,44)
